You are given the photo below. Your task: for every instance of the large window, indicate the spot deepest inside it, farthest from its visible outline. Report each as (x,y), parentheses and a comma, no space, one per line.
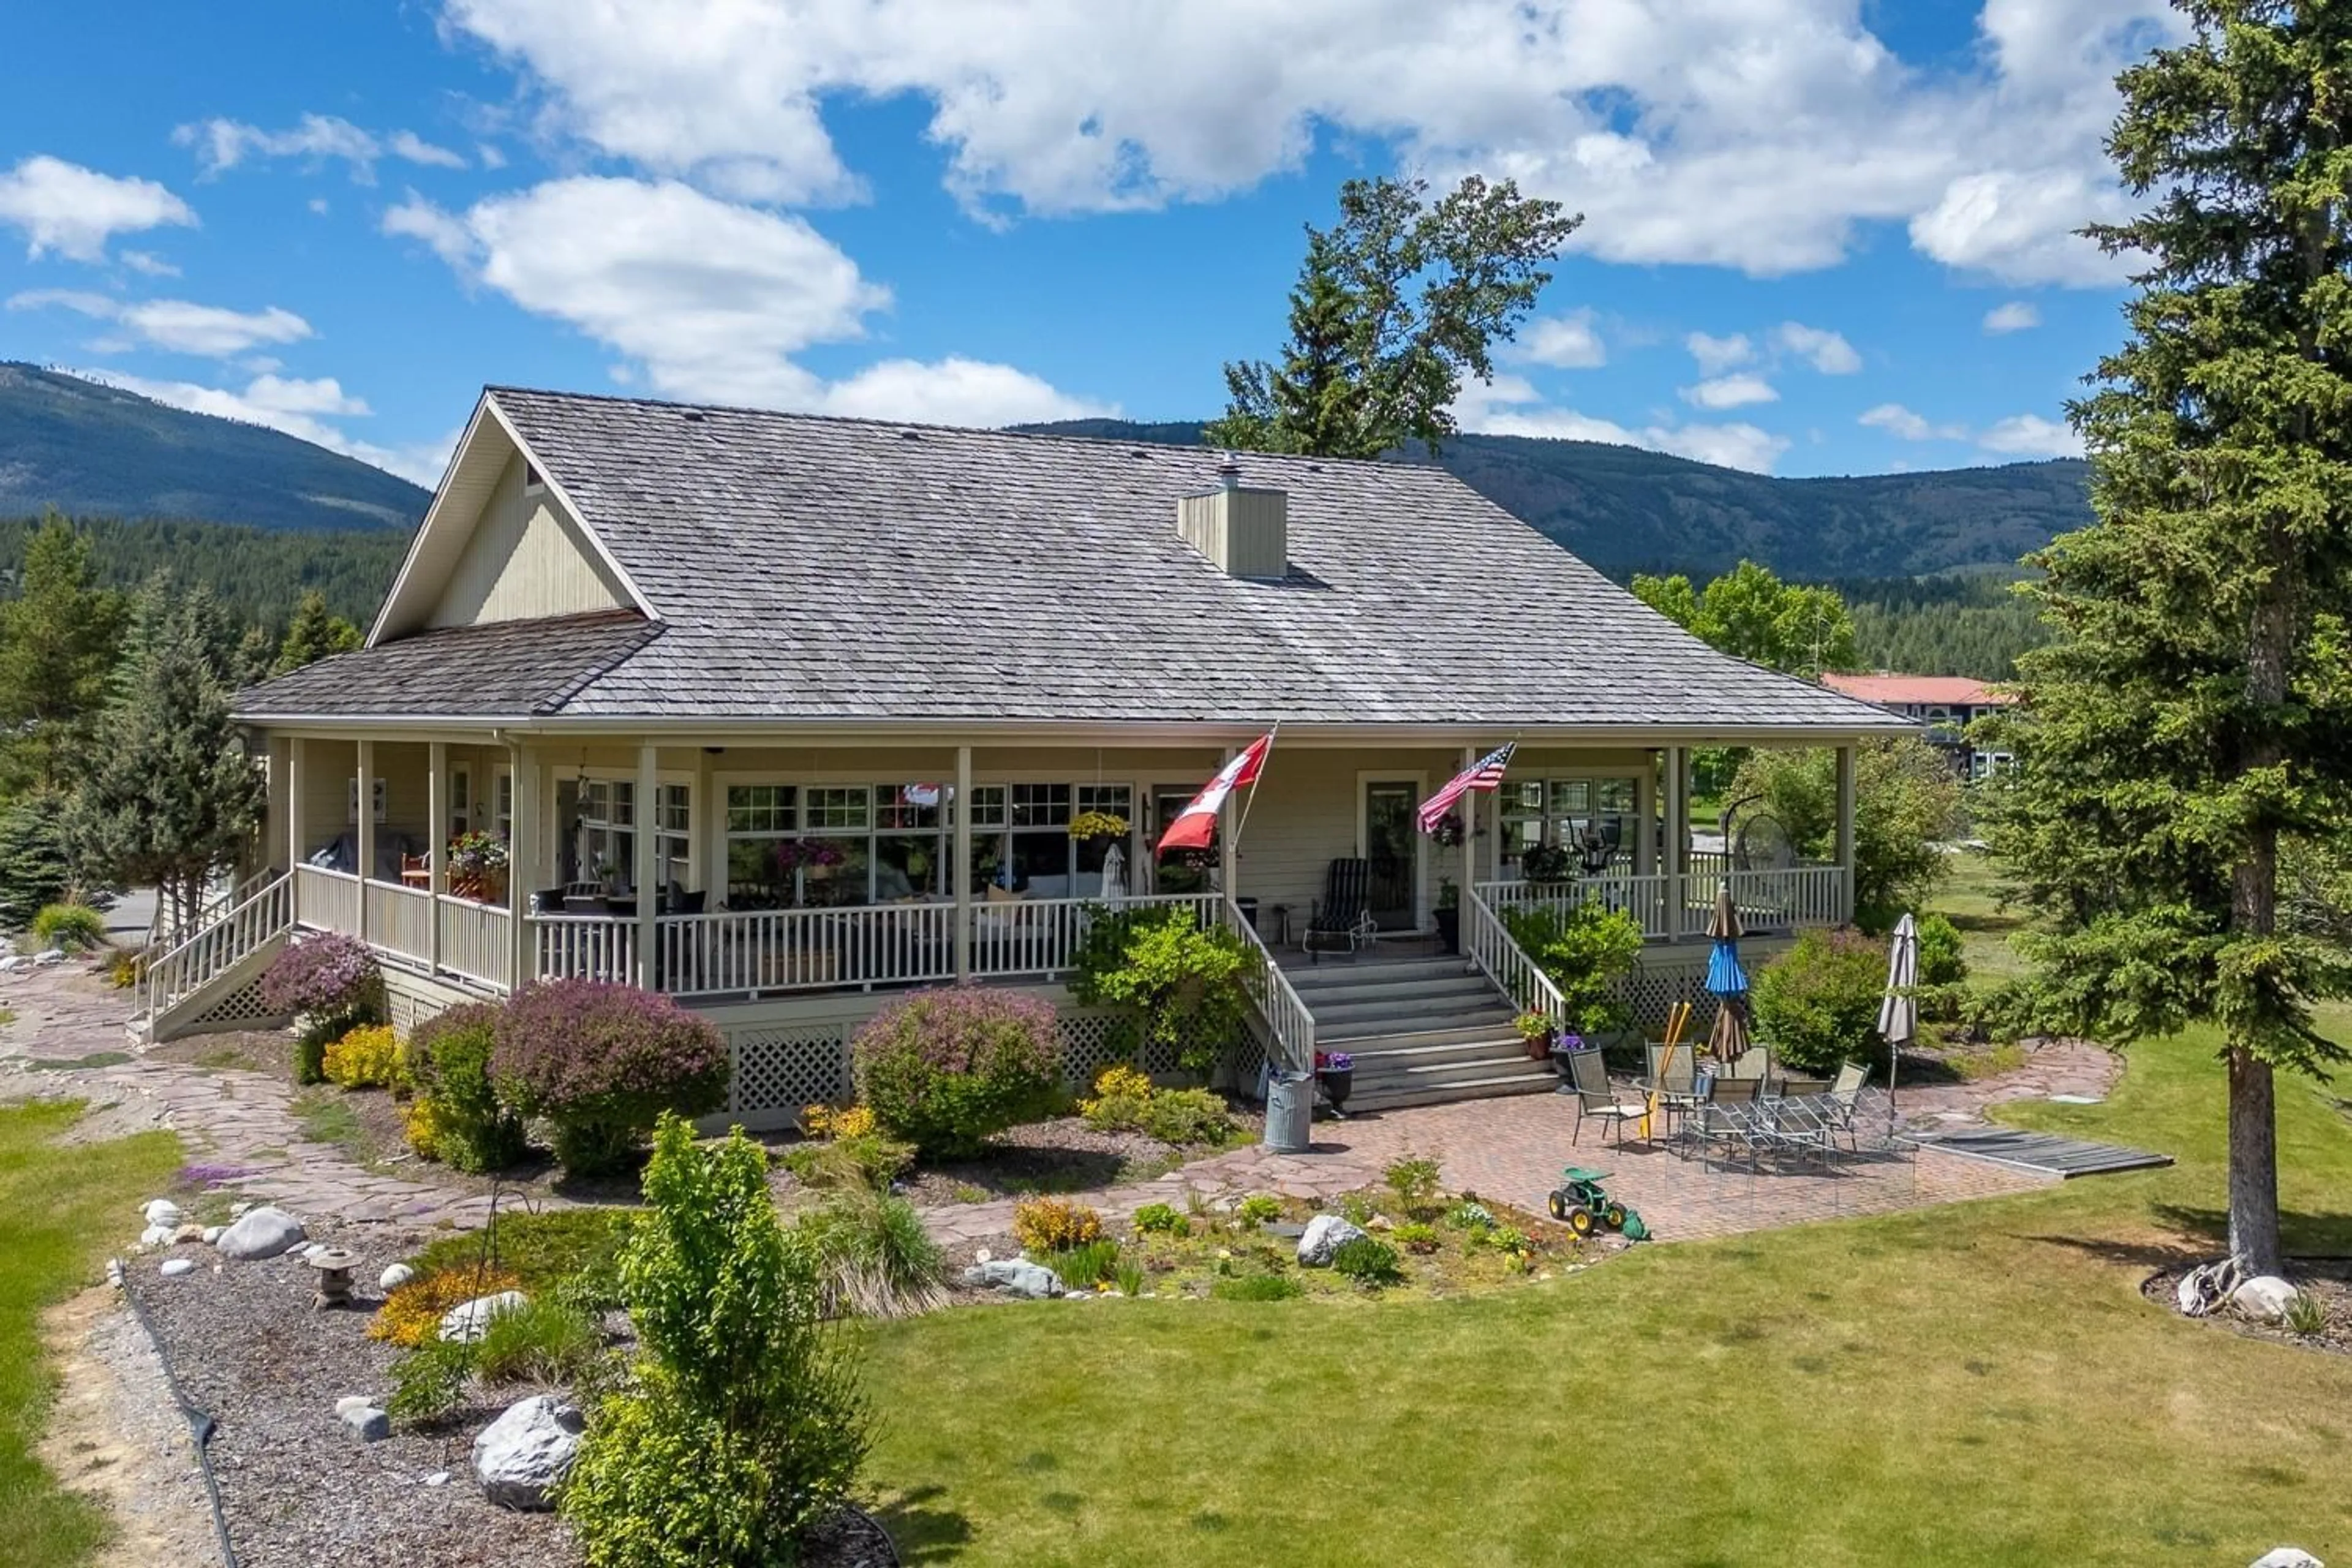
(1569,813)
(609,828)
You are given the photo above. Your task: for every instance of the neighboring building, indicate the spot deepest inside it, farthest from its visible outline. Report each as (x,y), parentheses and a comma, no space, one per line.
(1945,704)
(724,680)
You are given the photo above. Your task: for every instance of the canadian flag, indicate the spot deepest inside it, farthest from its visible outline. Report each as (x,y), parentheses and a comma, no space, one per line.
(1197,823)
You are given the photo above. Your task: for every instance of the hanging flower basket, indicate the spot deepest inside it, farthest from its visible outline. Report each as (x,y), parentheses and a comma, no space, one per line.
(1447,834)
(1098,825)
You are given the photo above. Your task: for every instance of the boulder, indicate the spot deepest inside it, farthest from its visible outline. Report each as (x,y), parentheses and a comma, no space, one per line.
(463,1323)
(368,1424)
(523,1456)
(162,1211)
(394,1276)
(351,1402)
(2265,1297)
(175,1267)
(213,1234)
(155,1235)
(2286,1557)
(1015,1277)
(50,955)
(261,1233)
(1324,1235)
(187,1233)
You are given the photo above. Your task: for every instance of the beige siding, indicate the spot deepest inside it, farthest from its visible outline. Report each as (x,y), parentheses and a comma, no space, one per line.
(1245,532)
(1308,813)
(526,558)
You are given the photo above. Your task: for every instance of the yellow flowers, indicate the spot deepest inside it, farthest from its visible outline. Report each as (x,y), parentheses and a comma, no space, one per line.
(1053,1225)
(838,1122)
(424,1125)
(367,1058)
(412,1314)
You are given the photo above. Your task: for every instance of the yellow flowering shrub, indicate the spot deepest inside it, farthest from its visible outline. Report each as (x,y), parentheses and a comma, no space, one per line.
(412,1314)
(1053,1225)
(1122,1096)
(832,1122)
(424,1125)
(366,1057)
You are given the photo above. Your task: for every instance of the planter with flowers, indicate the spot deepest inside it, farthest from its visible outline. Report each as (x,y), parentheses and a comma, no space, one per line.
(1535,1031)
(1336,1071)
(1448,914)
(817,858)
(1098,824)
(477,868)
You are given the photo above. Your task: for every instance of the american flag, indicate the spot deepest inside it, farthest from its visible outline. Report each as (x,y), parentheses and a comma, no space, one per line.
(1484,773)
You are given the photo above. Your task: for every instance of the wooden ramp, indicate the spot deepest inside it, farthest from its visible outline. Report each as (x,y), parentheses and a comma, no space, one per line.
(2040,1152)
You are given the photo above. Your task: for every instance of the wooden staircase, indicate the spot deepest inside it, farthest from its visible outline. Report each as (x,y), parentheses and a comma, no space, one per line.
(1422,1031)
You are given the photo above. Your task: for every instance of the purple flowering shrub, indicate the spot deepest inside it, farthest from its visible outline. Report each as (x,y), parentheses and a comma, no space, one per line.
(946,1068)
(332,983)
(602,1062)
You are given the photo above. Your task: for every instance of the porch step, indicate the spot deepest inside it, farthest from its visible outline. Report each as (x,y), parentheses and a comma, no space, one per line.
(1339,971)
(1441,1066)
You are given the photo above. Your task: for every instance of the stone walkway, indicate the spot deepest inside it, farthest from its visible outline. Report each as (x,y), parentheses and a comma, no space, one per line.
(68,1021)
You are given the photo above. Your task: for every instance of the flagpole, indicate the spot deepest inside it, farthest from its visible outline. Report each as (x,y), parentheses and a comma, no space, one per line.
(1243,821)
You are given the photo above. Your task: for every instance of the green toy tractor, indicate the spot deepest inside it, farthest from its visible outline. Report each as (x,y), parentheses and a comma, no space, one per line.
(1580,1203)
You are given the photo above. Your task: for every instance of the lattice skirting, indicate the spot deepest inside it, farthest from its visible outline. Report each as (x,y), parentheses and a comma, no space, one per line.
(1664,976)
(239,1008)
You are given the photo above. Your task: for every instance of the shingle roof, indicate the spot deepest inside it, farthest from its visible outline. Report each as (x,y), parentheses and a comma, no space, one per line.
(823,569)
(503,669)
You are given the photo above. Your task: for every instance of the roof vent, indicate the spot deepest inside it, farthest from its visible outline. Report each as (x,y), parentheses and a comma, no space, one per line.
(1244,531)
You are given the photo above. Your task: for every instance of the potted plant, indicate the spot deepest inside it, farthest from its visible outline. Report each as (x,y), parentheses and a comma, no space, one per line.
(478,867)
(1534,1030)
(1545,863)
(1098,824)
(1336,1071)
(1449,914)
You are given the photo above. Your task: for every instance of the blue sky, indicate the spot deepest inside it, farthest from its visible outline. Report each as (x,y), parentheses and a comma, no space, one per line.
(1821,236)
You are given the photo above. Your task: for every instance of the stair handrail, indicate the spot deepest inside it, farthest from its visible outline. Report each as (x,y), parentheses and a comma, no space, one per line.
(1278,1001)
(1496,952)
(220,943)
(208,909)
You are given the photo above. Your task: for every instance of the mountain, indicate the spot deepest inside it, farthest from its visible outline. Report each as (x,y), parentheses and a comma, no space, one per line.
(1626,510)
(97,451)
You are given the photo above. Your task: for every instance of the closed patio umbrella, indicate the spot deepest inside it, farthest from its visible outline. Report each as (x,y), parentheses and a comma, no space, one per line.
(1898,1014)
(1726,982)
(1114,876)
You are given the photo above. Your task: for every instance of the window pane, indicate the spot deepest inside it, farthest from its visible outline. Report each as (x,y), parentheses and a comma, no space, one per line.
(987,805)
(906,805)
(624,810)
(755,880)
(1115,799)
(1614,794)
(1521,797)
(835,808)
(1570,797)
(843,882)
(1041,806)
(759,808)
(675,804)
(907,866)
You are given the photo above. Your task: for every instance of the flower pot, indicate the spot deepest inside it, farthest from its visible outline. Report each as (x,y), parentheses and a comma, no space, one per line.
(1449,929)
(1538,1046)
(1337,1086)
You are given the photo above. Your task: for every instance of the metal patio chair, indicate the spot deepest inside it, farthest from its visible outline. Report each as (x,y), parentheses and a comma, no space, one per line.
(1342,917)
(1597,1098)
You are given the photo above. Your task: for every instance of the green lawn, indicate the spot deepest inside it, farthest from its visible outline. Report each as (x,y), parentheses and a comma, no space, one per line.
(1979,1384)
(60,1210)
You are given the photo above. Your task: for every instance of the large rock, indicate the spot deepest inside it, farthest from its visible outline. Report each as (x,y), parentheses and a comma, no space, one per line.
(394,1276)
(261,1233)
(2286,1557)
(155,1235)
(1324,1235)
(367,1423)
(2265,1297)
(162,1211)
(464,1322)
(523,1456)
(1016,1276)
(175,1267)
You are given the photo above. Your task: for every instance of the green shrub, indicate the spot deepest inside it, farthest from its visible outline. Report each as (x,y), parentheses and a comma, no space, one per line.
(75,928)
(1182,1115)
(430,1381)
(1053,1225)
(1122,1096)
(1417,1237)
(332,983)
(878,1259)
(602,1063)
(1084,1267)
(1940,959)
(1259,1207)
(2306,1314)
(1179,985)
(543,1341)
(540,1252)
(1368,1261)
(449,1062)
(868,1160)
(1413,1180)
(1161,1219)
(364,1058)
(1585,950)
(1469,1215)
(1255,1288)
(743,1425)
(1817,1004)
(1127,1277)
(947,1068)
(1356,1209)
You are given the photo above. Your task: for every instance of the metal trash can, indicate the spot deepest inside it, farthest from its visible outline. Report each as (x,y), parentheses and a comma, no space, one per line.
(1289,1109)
(1248,908)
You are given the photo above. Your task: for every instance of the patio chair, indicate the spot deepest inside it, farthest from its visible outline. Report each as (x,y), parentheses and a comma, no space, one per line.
(1342,917)
(1597,1098)
(1755,1062)
(1673,1078)
(1844,1096)
(1723,1119)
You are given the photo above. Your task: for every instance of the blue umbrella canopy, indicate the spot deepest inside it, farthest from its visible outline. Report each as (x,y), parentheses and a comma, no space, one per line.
(1724,978)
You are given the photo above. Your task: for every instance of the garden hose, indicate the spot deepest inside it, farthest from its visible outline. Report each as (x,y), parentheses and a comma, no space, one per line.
(201,1426)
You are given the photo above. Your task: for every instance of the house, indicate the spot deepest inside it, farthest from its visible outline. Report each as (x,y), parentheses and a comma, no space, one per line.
(1945,704)
(780,713)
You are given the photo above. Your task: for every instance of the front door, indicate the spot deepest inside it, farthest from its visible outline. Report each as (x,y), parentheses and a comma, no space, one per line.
(1393,844)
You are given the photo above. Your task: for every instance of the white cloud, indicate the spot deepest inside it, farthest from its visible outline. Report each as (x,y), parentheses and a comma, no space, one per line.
(2031,435)
(1825,351)
(149,263)
(178,326)
(1569,341)
(1716,355)
(1731,392)
(74,211)
(708,299)
(221,145)
(1510,405)
(297,407)
(2016,316)
(1897,420)
(1755,134)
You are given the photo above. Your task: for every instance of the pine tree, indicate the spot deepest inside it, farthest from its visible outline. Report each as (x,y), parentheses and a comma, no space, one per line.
(58,642)
(314,633)
(2196,709)
(172,799)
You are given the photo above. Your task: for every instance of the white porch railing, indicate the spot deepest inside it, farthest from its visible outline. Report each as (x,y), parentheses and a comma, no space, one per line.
(476,941)
(1669,907)
(219,946)
(1777,901)
(163,938)
(326,900)
(788,950)
(584,947)
(1287,1014)
(400,921)
(1490,945)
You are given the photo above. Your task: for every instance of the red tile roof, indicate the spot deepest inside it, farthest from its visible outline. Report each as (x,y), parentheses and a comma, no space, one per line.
(1923,690)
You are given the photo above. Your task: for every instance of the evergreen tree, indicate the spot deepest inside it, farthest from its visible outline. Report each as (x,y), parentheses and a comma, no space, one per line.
(2194,710)
(172,799)
(41,860)
(315,632)
(1394,305)
(58,642)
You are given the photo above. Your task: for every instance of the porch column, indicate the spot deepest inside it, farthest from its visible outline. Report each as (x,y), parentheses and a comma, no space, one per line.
(1845,829)
(645,818)
(522,865)
(1469,830)
(437,843)
(962,809)
(364,835)
(296,834)
(1677,862)
(1228,852)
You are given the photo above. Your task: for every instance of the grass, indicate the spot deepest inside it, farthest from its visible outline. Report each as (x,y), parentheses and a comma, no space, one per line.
(541,1250)
(60,1207)
(1975,1385)
(324,1116)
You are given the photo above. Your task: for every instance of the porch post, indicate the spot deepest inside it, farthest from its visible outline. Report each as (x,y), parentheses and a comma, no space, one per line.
(523,865)
(1677,842)
(437,843)
(1469,831)
(1845,829)
(364,785)
(297,836)
(962,817)
(646,818)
